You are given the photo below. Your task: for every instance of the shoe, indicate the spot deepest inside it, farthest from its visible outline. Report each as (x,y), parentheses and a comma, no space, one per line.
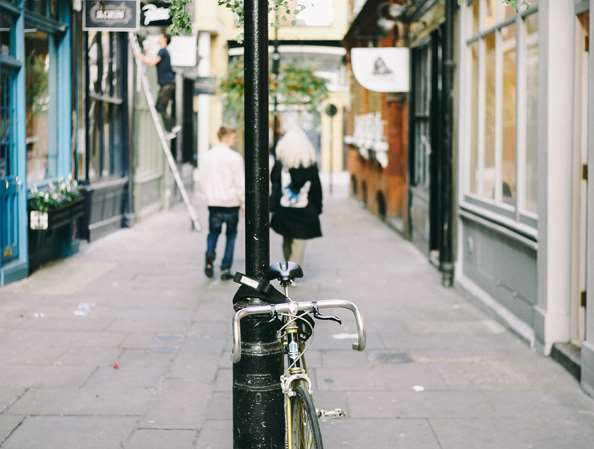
(170,136)
(175,130)
(226,275)
(209,267)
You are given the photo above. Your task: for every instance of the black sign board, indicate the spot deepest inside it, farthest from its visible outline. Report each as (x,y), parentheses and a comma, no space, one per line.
(155,14)
(205,85)
(111,15)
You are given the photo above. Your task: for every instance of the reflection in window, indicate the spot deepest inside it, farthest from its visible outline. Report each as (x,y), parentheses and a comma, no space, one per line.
(6,125)
(105,94)
(490,100)
(490,13)
(531,196)
(422,137)
(475,16)
(508,120)
(41,137)
(5,35)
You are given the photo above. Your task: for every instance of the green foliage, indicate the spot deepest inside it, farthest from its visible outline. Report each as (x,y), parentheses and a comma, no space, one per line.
(295,86)
(180,18)
(58,193)
(237,7)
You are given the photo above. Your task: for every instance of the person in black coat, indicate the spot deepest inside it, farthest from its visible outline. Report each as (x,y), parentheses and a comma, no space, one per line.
(296,194)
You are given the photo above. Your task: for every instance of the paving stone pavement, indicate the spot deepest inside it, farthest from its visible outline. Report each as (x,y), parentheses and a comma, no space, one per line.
(438,374)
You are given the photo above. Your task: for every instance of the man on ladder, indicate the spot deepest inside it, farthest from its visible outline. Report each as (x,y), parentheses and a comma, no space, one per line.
(166,80)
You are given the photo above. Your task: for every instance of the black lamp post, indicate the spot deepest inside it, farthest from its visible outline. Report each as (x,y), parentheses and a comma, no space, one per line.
(258,413)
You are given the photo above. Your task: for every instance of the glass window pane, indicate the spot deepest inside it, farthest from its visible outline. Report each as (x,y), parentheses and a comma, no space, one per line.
(531,200)
(489,137)
(508,119)
(475,16)
(5,34)
(37,6)
(41,144)
(6,125)
(489,13)
(474,141)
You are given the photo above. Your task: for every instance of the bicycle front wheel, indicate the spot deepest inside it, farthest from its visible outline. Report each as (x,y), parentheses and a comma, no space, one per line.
(304,432)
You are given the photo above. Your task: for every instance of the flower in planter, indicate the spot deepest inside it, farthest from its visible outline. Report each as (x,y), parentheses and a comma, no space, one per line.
(55,195)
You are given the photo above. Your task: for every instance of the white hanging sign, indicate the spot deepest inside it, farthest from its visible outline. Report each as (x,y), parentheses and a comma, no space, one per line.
(382,69)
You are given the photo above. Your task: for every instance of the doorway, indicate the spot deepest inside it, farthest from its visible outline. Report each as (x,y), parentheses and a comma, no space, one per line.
(426,127)
(580,184)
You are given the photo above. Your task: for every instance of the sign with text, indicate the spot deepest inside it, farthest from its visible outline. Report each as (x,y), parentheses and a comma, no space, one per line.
(382,69)
(111,15)
(155,14)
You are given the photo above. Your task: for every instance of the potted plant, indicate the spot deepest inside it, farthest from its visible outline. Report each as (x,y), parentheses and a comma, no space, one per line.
(54,212)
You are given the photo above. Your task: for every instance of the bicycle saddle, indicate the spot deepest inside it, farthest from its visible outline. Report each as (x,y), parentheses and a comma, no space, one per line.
(285,272)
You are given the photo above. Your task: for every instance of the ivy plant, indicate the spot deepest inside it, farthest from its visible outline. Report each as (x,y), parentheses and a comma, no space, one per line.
(181,21)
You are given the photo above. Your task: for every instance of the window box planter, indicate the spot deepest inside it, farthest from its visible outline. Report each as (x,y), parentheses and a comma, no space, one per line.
(59,239)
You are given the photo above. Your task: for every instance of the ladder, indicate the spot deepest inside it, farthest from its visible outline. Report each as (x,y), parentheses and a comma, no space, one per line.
(165,146)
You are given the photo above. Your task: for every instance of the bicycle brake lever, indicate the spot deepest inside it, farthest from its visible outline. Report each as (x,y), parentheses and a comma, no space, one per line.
(318,316)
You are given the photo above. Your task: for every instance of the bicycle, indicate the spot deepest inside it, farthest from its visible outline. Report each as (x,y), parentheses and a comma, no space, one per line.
(296,321)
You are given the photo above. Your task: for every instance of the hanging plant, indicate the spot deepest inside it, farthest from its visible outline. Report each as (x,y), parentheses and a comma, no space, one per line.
(298,86)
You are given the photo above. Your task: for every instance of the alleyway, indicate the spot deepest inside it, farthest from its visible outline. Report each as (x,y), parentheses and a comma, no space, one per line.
(438,374)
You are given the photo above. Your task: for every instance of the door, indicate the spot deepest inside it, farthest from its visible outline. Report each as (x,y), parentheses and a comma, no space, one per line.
(9,182)
(578,300)
(425,138)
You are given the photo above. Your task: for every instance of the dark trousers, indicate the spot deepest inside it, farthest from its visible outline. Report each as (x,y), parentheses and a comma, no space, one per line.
(216,218)
(164,97)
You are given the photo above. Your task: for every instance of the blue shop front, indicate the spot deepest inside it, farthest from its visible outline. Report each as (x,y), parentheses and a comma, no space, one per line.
(35,135)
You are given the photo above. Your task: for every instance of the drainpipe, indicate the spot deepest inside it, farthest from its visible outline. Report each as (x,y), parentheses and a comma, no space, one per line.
(446,256)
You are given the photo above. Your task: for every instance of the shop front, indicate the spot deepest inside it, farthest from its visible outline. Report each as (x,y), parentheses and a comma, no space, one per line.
(35,124)
(102,158)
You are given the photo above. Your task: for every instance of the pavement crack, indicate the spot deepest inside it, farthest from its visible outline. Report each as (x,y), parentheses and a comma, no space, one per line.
(19,424)
(5,409)
(434,434)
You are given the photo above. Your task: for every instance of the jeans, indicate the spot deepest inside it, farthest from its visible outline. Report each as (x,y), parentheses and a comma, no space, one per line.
(164,97)
(217,216)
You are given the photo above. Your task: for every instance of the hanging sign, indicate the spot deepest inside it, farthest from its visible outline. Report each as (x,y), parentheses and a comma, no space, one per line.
(382,69)
(111,15)
(156,14)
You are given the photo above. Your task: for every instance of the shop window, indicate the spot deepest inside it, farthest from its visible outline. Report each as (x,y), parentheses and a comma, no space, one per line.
(531,192)
(5,34)
(474,117)
(41,135)
(489,126)
(508,116)
(47,8)
(6,124)
(422,113)
(502,131)
(105,84)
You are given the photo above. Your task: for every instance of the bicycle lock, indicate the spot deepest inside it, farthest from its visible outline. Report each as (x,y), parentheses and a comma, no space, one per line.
(258,414)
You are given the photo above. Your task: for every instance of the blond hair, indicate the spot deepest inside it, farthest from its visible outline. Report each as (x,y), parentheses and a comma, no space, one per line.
(295,150)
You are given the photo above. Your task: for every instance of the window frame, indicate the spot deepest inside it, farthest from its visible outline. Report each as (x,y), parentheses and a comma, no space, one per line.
(512,215)
(102,105)
(58,34)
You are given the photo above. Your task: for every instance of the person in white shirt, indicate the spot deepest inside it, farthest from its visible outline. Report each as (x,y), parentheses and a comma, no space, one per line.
(221,178)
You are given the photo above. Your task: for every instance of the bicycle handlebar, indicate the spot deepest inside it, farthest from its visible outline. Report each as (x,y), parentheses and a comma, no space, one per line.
(294,308)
